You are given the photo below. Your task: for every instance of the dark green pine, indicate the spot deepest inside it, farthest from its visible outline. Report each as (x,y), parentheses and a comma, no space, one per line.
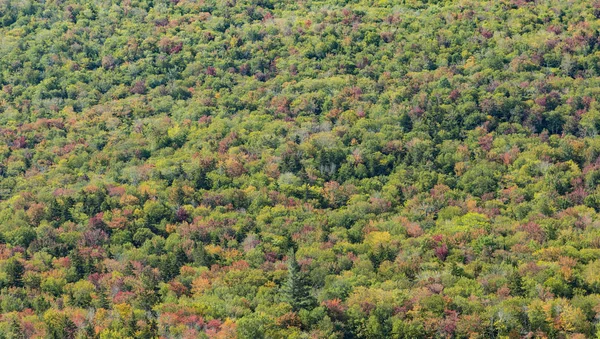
(296,290)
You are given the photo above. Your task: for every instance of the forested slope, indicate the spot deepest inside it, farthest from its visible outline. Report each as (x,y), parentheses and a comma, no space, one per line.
(299,169)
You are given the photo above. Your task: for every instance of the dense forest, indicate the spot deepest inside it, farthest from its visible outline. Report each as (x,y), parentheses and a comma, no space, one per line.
(299,169)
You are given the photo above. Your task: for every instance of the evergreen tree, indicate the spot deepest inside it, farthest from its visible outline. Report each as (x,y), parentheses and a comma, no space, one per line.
(78,266)
(59,326)
(40,304)
(15,330)
(14,272)
(103,301)
(296,289)
(149,295)
(200,256)
(515,283)
(131,326)
(169,267)
(150,329)
(181,258)
(88,331)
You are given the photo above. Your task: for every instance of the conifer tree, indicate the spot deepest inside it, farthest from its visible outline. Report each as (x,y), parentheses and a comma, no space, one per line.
(131,326)
(296,289)
(150,330)
(89,332)
(515,283)
(14,272)
(15,330)
(103,301)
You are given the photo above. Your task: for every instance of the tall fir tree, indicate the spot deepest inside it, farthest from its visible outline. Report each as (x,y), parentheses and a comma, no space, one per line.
(131,326)
(14,272)
(297,289)
(15,331)
(103,301)
(515,283)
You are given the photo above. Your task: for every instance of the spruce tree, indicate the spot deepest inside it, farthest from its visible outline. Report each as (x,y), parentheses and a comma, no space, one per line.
(14,272)
(89,332)
(103,301)
(296,289)
(14,329)
(131,326)
(150,330)
(515,283)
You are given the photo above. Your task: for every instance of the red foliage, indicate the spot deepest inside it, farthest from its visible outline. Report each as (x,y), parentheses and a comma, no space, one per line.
(485,142)
(178,288)
(441,252)
(448,325)
(367,306)
(534,231)
(214,324)
(486,33)
(115,190)
(335,308)
(210,70)
(139,87)
(176,49)
(226,142)
(19,142)
(290,319)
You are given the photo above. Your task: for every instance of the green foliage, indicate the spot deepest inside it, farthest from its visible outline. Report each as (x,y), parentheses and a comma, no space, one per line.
(59,325)
(14,271)
(296,290)
(433,164)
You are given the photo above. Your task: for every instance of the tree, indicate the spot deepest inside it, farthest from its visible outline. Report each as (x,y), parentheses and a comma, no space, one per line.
(58,325)
(80,293)
(103,301)
(150,329)
(296,290)
(15,330)
(14,272)
(131,326)
(252,326)
(89,332)
(515,283)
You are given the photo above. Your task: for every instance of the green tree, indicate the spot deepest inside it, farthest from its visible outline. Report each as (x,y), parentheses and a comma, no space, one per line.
(58,325)
(14,272)
(296,290)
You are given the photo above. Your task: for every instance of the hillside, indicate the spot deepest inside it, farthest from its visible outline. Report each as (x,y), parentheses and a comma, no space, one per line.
(299,169)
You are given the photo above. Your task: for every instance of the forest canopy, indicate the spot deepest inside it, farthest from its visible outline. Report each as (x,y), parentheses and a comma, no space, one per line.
(299,169)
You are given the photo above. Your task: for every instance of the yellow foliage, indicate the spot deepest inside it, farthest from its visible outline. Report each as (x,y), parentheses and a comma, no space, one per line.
(171,228)
(200,285)
(146,189)
(470,62)
(591,273)
(376,238)
(128,200)
(124,310)
(213,249)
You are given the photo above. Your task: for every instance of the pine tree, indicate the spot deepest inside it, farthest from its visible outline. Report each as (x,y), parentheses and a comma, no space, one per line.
(296,289)
(168,267)
(14,272)
(200,256)
(103,301)
(59,326)
(150,330)
(131,326)
(88,331)
(149,296)
(78,265)
(181,258)
(14,329)
(515,283)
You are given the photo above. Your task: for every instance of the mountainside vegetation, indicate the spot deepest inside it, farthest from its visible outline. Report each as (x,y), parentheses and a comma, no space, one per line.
(299,169)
